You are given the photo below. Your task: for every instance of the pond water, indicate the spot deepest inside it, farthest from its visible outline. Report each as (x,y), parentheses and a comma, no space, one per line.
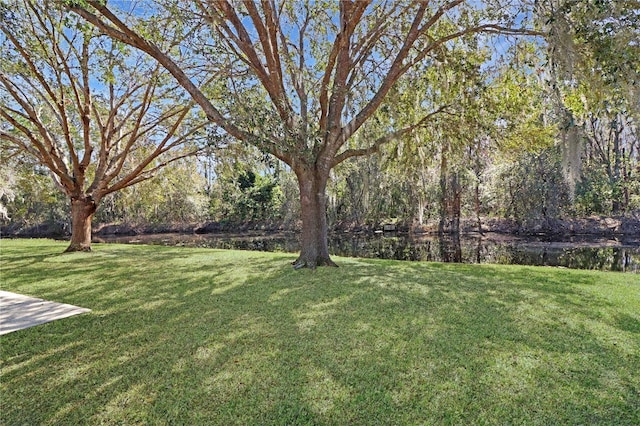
(611,254)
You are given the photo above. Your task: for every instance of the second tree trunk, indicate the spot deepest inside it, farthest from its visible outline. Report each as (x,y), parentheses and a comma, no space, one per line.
(82,210)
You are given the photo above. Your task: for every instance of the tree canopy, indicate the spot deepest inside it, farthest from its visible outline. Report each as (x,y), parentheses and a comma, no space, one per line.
(98,114)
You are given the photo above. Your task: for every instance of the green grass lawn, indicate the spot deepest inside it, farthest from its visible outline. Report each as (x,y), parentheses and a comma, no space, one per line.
(201,336)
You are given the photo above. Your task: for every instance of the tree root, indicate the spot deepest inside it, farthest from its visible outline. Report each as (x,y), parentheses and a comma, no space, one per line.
(300,263)
(74,248)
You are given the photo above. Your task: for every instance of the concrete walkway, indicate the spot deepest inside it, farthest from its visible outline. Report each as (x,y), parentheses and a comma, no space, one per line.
(18,312)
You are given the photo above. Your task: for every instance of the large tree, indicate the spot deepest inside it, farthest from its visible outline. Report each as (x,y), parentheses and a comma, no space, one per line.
(308,75)
(98,114)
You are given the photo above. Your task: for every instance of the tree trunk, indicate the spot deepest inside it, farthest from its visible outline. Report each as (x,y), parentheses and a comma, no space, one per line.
(314,248)
(616,183)
(82,210)
(626,175)
(476,199)
(422,205)
(456,203)
(477,208)
(442,224)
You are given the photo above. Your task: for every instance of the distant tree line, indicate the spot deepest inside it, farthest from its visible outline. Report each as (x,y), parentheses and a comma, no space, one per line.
(529,186)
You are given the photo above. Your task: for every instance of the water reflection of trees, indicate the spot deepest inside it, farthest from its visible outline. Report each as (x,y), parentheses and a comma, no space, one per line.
(613,258)
(448,248)
(475,249)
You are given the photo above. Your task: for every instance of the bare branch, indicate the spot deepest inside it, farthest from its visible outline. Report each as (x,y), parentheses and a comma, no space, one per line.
(120,31)
(147,174)
(378,143)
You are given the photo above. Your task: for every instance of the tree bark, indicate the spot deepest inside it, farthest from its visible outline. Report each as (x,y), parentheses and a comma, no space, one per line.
(616,181)
(422,205)
(442,224)
(456,203)
(314,247)
(476,199)
(82,210)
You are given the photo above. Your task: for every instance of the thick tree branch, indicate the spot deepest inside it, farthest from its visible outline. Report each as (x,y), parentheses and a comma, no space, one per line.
(46,146)
(340,67)
(59,62)
(120,31)
(389,79)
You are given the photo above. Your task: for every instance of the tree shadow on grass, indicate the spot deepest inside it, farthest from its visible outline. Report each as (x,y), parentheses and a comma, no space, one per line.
(626,322)
(220,338)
